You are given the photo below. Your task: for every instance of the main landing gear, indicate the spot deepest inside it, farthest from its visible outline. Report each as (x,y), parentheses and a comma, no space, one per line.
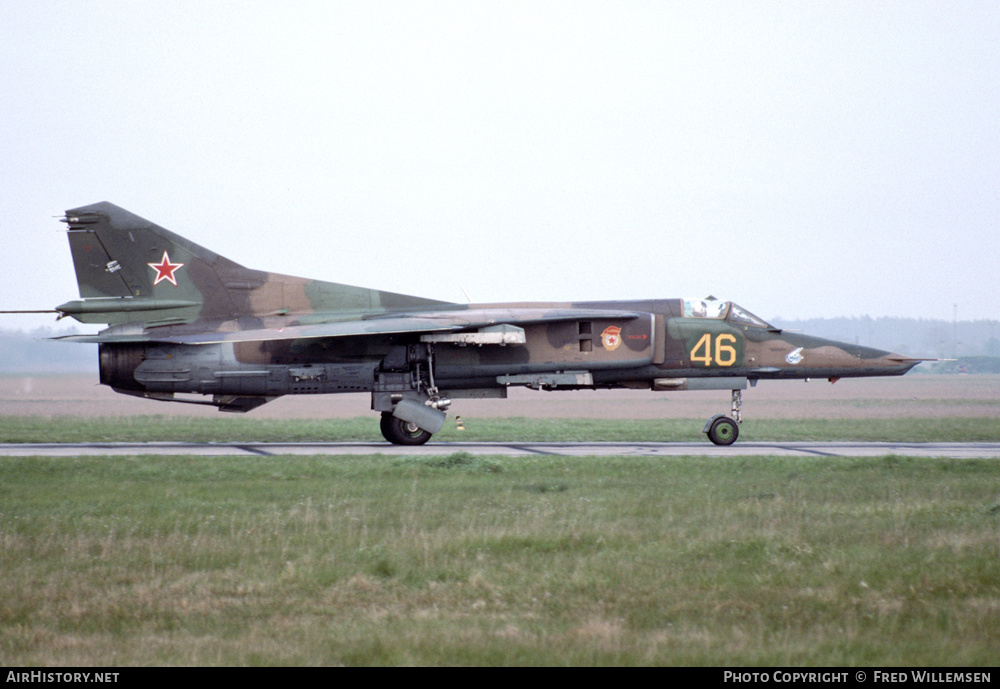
(400,432)
(723,430)
(405,392)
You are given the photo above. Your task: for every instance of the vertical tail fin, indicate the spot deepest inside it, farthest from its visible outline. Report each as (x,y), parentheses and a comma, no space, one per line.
(132,271)
(129,269)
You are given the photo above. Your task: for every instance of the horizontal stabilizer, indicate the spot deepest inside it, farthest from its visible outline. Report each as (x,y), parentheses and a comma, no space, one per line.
(120,305)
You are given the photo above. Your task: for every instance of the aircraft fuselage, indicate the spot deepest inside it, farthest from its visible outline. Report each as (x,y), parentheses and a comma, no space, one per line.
(657,349)
(184,320)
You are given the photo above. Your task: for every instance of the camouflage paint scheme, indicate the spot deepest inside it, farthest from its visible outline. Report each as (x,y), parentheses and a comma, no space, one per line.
(185,320)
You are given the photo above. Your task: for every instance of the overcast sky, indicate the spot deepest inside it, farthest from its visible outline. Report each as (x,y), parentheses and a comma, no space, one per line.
(801,158)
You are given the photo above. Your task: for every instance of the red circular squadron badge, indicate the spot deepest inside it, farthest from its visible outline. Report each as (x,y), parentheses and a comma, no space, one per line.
(611,337)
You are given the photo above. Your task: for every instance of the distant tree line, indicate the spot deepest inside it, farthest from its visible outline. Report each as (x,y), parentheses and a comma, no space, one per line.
(33,352)
(914,337)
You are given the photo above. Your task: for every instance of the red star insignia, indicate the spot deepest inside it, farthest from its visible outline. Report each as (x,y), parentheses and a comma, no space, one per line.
(165,270)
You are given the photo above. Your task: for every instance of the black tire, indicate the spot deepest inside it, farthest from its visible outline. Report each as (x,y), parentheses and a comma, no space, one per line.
(724,431)
(399,432)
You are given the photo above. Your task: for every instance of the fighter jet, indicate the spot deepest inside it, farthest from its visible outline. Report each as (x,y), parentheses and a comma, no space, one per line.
(188,325)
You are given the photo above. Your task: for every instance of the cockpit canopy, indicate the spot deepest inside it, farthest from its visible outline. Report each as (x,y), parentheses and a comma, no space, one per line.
(727,310)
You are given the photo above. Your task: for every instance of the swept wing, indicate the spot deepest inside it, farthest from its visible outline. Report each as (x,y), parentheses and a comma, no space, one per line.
(478,321)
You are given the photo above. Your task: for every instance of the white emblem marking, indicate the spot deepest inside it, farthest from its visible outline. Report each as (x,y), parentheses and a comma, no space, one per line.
(794,357)
(113,267)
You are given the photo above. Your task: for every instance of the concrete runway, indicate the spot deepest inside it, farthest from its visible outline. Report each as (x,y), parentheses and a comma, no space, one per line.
(699,449)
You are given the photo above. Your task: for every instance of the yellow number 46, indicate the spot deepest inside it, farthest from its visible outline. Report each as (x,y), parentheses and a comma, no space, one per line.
(725,352)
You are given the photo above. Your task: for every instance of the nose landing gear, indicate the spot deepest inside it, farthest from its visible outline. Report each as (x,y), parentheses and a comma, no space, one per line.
(723,430)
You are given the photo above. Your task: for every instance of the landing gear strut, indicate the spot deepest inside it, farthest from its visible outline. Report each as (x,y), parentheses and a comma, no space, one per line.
(723,430)
(405,392)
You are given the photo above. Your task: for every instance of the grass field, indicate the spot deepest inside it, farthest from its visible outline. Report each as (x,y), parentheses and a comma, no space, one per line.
(461,560)
(487,561)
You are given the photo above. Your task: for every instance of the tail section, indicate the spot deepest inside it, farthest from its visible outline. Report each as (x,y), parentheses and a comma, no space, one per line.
(130,270)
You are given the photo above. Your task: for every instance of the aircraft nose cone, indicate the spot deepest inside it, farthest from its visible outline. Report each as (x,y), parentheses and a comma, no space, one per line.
(900,364)
(856,360)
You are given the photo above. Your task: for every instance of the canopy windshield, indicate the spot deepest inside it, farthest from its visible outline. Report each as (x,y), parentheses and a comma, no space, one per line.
(705,308)
(737,314)
(712,308)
